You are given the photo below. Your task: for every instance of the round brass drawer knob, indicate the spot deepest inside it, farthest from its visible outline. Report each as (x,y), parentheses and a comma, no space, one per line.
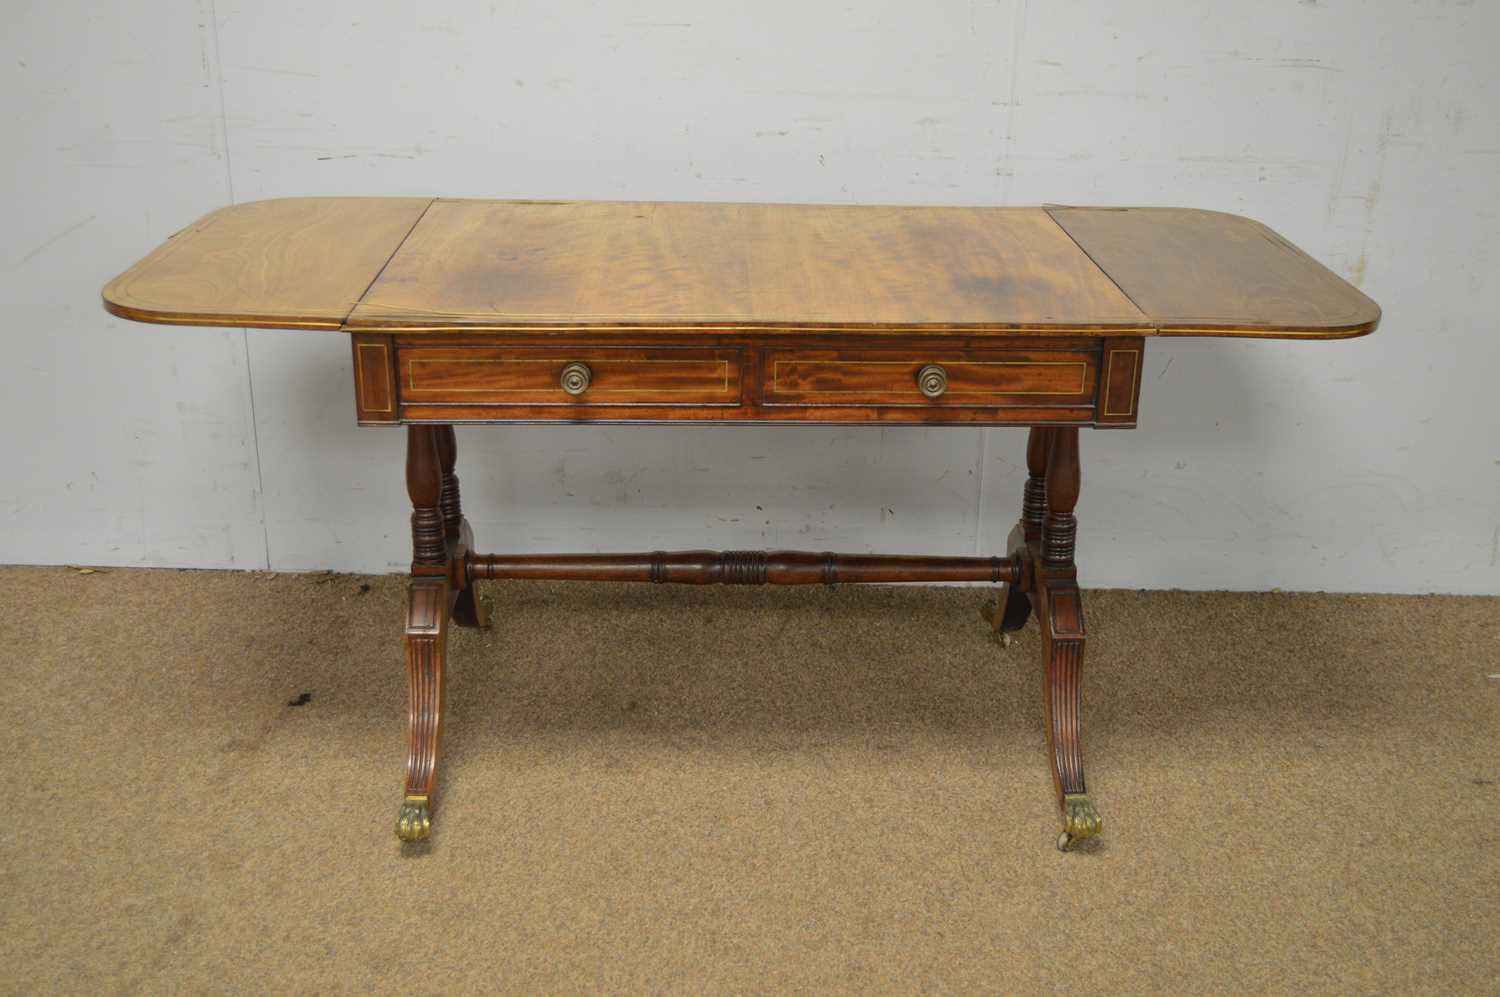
(576,378)
(932,380)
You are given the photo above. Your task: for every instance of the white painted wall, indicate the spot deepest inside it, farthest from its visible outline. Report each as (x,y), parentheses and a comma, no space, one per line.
(1367,133)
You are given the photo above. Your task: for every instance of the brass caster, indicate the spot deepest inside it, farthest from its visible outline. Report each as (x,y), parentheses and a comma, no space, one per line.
(990,611)
(484,606)
(414,822)
(1080,820)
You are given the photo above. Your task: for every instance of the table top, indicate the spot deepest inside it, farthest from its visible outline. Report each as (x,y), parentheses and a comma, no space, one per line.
(419,265)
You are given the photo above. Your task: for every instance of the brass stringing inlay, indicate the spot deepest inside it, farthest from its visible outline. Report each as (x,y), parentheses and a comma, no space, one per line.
(1109,371)
(1083,374)
(722,369)
(363,367)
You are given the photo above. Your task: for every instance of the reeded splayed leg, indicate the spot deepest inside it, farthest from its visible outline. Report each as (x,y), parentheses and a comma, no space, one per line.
(426,650)
(426,632)
(469,608)
(1060,612)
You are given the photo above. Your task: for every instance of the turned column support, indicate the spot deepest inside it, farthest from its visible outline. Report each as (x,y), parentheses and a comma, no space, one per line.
(424,484)
(448,500)
(1059,526)
(1013,608)
(1034,500)
(469,609)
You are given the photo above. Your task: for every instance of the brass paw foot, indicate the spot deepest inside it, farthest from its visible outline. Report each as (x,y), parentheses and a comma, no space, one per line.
(414,822)
(1080,820)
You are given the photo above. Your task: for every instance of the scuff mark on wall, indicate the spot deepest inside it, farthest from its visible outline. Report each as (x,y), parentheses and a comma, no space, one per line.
(272,70)
(1006,170)
(53,241)
(1357,271)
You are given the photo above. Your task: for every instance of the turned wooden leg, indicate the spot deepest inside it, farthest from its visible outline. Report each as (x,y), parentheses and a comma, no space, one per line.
(1060,612)
(426,632)
(469,609)
(1034,500)
(1014,604)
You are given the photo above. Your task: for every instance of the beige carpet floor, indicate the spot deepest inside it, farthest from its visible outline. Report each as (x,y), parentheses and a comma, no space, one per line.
(680,789)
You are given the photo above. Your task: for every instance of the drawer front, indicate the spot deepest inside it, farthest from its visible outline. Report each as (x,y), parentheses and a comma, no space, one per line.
(967,379)
(431,375)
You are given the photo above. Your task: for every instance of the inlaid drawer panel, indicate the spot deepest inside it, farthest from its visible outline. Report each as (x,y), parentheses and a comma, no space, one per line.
(969,378)
(430,375)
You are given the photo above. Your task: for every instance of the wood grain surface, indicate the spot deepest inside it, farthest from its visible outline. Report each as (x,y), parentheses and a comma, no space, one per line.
(975,378)
(496,265)
(420,266)
(290,263)
(1207,273)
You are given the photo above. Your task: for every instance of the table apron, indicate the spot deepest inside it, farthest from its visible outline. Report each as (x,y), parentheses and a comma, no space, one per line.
(594,378)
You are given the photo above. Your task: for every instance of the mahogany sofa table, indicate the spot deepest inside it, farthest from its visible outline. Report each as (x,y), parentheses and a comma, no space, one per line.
(462,311)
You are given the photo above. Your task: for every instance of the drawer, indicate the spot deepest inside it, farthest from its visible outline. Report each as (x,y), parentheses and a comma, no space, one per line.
(433,375)
(940,378)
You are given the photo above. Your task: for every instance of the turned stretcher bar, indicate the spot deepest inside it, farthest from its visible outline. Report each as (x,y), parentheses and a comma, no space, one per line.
(743,567)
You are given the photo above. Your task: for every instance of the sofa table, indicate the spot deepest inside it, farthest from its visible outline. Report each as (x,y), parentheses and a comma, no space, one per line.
(468,311)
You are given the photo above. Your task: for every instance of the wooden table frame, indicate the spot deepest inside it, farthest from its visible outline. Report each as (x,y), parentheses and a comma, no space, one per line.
(1039,575)
(611,313)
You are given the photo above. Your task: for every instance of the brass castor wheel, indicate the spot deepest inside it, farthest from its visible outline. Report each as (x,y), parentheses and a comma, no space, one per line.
(414,822)
(1080,820)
